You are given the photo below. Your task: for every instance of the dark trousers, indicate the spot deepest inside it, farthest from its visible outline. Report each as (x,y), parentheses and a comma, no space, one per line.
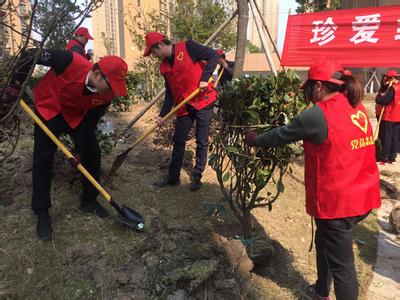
(335,258)
(86,145)
(183,125)
(390,134)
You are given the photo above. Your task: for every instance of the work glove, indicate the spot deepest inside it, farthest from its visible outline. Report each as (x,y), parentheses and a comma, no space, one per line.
(75,161)
(161,121)
(251,139)
(11,93)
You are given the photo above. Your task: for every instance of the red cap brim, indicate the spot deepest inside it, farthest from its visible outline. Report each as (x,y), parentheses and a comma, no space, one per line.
(118,86)
(337,81)
(147,51)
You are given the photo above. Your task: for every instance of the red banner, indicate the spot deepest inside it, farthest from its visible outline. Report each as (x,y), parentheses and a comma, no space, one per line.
(363,37)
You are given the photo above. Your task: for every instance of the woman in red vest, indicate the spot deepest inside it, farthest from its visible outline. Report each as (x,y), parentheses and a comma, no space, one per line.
(341,176)
(78,43)
(70,98)
(389,128)
(185,66)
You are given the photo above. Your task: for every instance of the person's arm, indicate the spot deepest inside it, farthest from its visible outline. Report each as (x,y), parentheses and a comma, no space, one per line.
(198,52)
(78,49)
(168,101)
(57,59)
(308,125)
(230,65)
(385,98)
(88,124)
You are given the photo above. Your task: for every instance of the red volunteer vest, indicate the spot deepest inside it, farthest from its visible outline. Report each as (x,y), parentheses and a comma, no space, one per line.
(62,94)
(73,43)
(184,78)
(392,110)
(341,176)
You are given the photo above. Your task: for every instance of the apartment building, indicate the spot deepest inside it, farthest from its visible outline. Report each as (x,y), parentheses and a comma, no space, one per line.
(270,12)
(14,18)
(112,22)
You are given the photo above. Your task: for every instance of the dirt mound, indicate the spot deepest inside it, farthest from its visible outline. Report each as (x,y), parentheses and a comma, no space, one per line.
(174,262)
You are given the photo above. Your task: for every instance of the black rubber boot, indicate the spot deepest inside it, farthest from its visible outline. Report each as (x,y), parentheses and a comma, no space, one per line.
(167,181)
(43,227)
(195,184)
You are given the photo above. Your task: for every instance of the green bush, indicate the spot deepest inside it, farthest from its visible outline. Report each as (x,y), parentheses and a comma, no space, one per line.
(253,104)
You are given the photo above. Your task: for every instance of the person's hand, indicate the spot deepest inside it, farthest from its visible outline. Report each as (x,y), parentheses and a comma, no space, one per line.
(225,65)
(251,139)
(203,85)
(75,160)
(10,93)
(161,121)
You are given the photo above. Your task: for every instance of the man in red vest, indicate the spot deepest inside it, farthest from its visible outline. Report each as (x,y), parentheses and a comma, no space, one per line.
(70,98)
(390,125)
(341,176)
(185,66)
(227,66)
(78,43)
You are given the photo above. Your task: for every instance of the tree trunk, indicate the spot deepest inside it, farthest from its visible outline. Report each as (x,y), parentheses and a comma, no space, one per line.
(243,18)
(246,223)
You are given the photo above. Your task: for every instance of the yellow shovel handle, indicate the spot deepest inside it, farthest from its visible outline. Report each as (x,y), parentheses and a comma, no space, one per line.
(67,153)
(172,112)
(379,123)
(381,115)
(219,77)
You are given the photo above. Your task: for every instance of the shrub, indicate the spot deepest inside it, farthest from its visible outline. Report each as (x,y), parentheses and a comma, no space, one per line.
(257,104)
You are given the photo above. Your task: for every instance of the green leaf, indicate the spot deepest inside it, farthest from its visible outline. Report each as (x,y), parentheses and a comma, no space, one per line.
(231,149)
(226,177)
(280,186)
(253,114)
(221,209)
(262,172)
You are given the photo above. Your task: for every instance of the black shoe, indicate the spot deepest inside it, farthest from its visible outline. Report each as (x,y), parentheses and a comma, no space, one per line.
(93,206)
(43,227)
(391,160)
(196,184)
(167,181)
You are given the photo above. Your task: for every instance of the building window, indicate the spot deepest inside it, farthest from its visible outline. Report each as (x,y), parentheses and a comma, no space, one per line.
(163,6)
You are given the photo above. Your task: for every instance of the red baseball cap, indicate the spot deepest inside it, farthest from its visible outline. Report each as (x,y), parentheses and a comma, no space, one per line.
(220,52)
(83,31)
(323,71)
(391,73)
(152,38)
(114,69)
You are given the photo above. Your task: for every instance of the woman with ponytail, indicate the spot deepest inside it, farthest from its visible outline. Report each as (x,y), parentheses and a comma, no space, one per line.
(389,98)
(341,176)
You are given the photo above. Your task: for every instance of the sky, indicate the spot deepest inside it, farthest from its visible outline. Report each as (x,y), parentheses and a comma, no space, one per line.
(284,6)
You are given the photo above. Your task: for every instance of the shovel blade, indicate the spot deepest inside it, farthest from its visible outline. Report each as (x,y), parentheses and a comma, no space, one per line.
(132,215)
(118,161)
(131,218)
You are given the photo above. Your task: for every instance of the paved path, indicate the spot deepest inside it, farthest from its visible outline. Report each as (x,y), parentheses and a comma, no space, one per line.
(386,278)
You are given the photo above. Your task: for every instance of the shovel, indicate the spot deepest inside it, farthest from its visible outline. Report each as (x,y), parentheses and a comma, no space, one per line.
(122,156)
(127,215)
